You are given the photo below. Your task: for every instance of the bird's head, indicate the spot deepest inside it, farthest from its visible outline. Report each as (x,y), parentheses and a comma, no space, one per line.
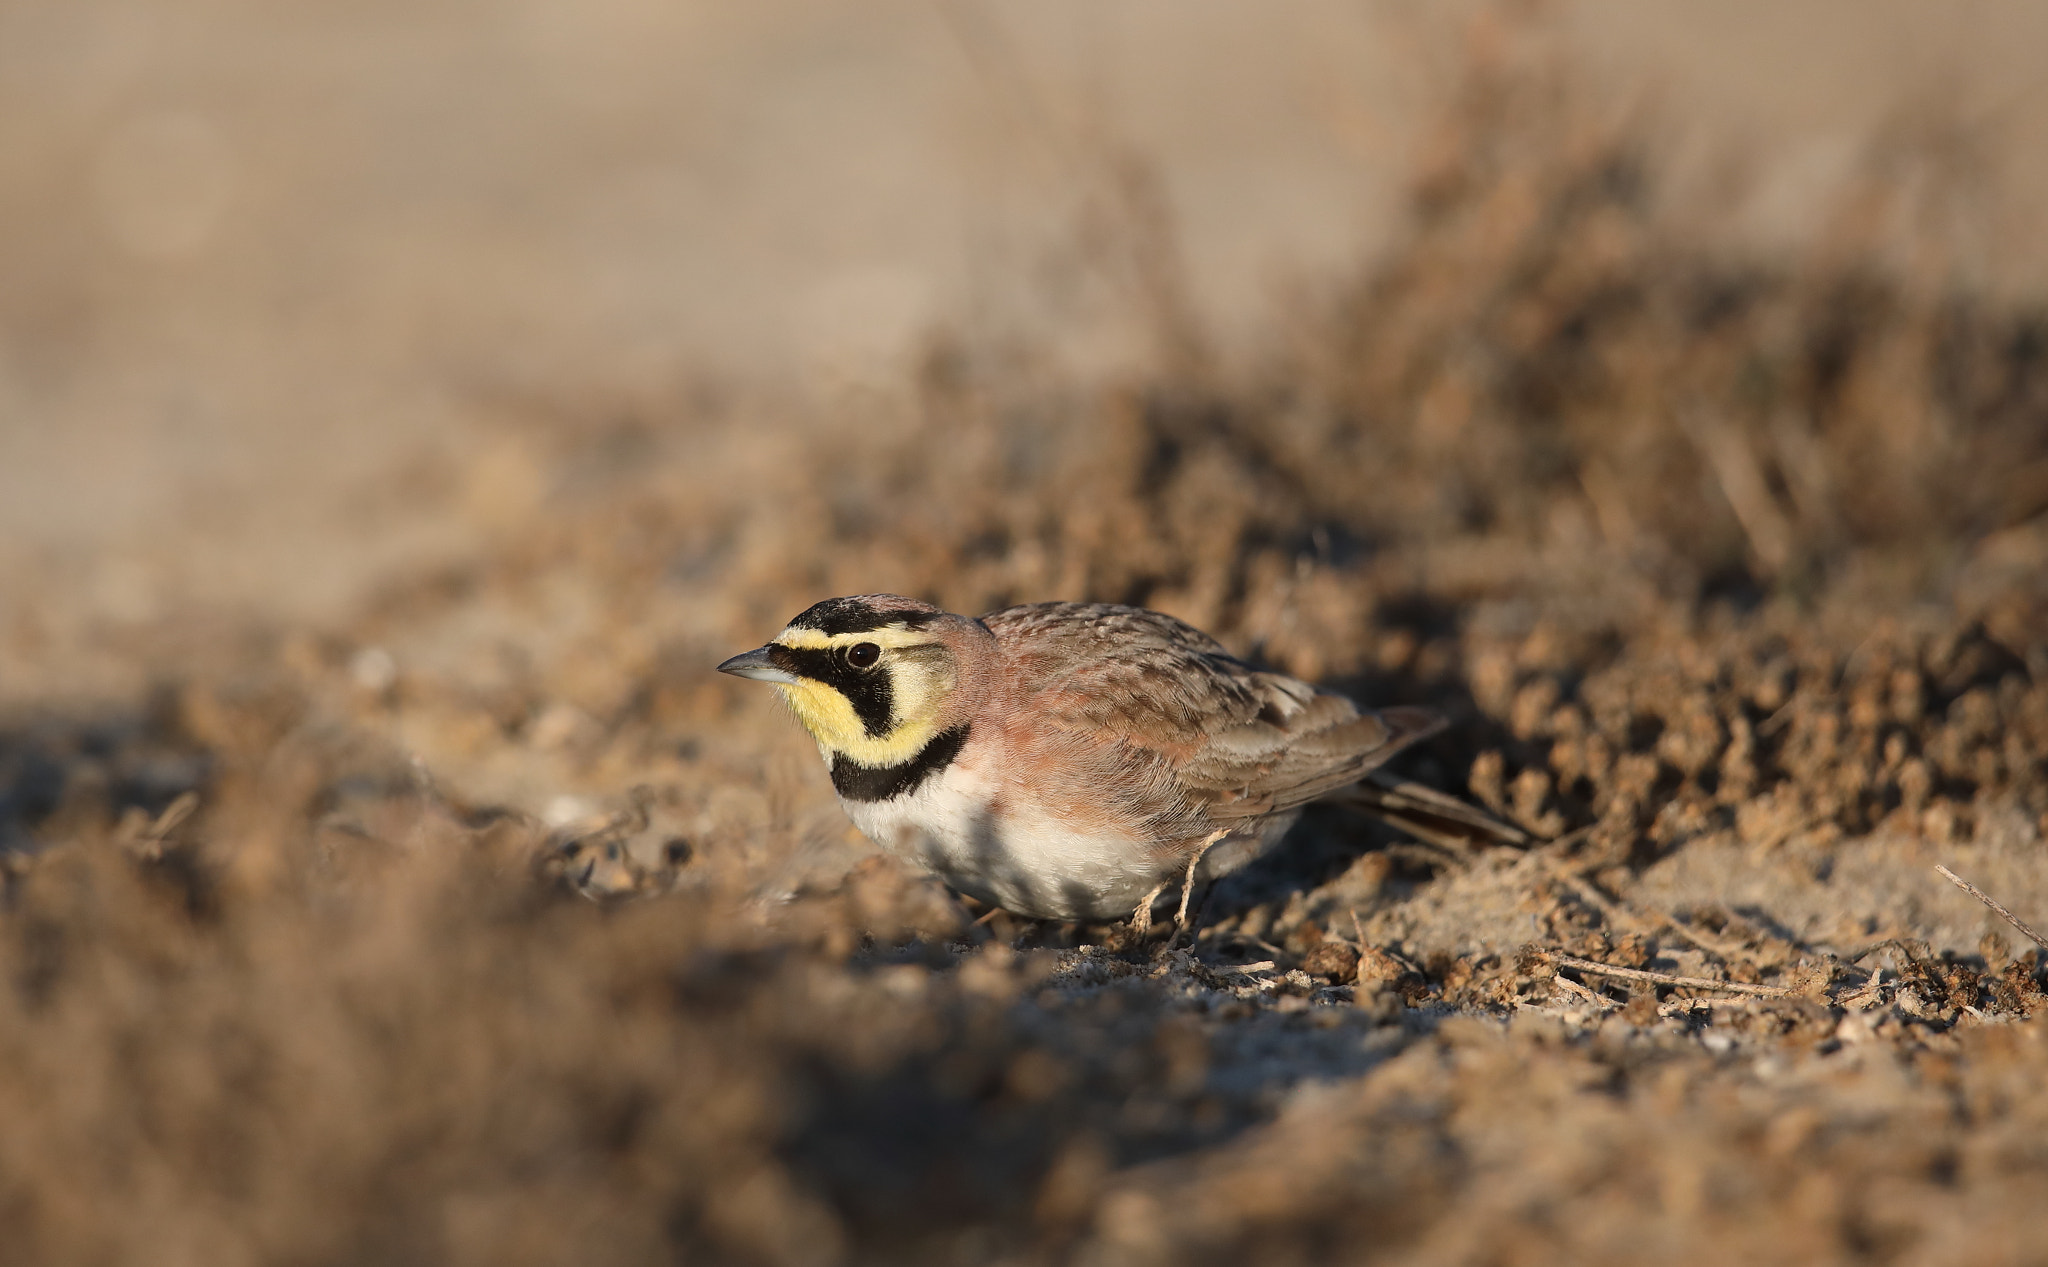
(873,677)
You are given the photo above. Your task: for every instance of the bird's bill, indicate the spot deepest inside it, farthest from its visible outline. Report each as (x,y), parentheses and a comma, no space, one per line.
(755,664)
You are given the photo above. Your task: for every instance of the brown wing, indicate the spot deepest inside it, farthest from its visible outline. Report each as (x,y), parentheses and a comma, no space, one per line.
(1265,767)
(1204,738)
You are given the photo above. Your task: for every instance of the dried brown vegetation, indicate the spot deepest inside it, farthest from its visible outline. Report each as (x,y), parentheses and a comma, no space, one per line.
(488,926)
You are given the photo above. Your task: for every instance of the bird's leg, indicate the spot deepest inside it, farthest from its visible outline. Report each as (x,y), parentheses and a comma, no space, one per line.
(1141,919)
(1187,884)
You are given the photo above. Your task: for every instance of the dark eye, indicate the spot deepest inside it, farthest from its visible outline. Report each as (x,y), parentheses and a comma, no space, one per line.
(862,655)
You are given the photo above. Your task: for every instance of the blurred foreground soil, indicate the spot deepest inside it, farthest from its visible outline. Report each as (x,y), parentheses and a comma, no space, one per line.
(483,923)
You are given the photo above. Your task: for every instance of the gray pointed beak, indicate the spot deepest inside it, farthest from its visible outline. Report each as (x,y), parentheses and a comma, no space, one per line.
(755,664)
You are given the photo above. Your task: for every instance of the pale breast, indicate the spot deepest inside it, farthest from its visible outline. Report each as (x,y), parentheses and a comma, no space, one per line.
(984,840)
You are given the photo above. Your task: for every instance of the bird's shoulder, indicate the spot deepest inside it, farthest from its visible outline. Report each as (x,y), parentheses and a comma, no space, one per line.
(1145,677)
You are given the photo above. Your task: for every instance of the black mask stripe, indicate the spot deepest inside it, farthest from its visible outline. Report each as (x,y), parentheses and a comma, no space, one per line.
(867,690)
(863,783)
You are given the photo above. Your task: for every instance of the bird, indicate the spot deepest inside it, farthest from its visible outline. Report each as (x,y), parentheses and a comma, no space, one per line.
(1072,760)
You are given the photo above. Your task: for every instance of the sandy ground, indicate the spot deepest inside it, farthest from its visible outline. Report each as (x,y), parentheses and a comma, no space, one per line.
(403,407)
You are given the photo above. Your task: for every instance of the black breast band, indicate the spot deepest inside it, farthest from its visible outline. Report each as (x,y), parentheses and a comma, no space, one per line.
(866,783)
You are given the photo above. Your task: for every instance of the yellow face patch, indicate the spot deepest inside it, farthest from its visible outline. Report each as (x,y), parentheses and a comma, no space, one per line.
(919,674)
(830,718)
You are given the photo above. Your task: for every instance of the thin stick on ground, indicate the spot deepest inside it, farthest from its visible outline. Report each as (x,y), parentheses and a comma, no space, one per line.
(1989,901)
(1911,947)
(1665,978)
(1580,992)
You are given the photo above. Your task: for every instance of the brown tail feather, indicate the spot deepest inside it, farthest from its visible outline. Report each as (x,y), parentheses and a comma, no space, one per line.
(1427,814)
(1410,725)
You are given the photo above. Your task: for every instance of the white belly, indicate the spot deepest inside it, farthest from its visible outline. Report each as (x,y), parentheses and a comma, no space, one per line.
(1029,864)
(1032,864)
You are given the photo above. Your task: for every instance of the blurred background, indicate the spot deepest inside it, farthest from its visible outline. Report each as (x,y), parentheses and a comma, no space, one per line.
(404,405)
(265,267)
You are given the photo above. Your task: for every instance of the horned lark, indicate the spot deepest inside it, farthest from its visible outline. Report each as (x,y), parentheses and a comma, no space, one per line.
(1063,760)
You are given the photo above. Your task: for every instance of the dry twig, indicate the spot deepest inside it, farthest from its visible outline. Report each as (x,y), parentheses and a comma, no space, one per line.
(1249,969)
(1987,900)
(1574,988)
(1664,978)
(1912,948)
